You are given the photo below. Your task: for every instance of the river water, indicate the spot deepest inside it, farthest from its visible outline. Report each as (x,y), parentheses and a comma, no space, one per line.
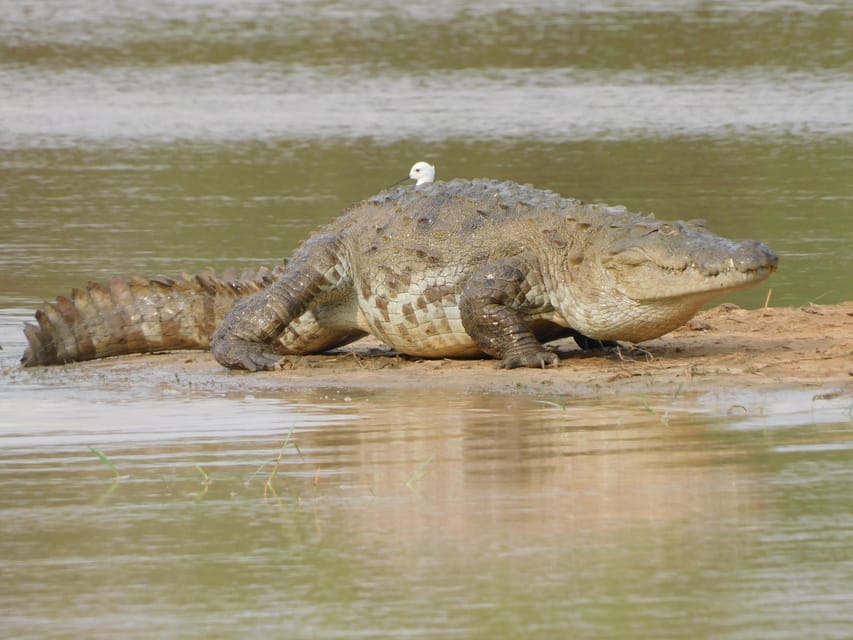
(153,137)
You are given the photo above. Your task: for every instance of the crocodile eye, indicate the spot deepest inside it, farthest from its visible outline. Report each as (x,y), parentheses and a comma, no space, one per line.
(642,230)
(667,229)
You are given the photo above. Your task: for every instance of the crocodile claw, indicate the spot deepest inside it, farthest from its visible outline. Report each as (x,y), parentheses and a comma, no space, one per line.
(532,359)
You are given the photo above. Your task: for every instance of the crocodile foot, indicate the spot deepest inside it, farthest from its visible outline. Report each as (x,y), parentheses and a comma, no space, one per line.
(242,354)
(538,359)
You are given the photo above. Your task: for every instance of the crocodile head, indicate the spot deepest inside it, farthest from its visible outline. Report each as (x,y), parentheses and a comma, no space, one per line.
(662,260)
(656,275)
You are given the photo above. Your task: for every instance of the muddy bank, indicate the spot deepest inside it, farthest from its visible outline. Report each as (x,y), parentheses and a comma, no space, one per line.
(722,348)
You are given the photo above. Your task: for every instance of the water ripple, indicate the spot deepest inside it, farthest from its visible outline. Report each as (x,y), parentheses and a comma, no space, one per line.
(242,101)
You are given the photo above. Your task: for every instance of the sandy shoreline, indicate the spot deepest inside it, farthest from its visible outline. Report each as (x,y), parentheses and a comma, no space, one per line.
(723,348)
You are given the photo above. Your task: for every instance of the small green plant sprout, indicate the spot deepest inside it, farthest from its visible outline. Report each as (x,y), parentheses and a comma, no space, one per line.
(664,417)
(103,458)
(418,474)
(206,481)
(288,441)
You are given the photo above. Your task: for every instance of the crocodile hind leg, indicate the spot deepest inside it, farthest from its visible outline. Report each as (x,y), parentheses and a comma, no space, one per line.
(493,305)
(250,335)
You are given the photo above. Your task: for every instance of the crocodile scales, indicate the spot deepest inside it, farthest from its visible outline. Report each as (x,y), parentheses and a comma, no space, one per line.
(445,269)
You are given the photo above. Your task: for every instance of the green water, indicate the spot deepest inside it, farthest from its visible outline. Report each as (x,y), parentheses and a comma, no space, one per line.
(81,213)
(338,513)
(150,138)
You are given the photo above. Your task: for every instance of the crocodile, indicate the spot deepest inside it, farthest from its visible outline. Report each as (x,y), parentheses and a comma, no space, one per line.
(445,269)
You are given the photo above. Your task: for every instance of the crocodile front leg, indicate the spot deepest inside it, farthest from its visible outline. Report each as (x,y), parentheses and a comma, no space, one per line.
(492,306)
(248,336)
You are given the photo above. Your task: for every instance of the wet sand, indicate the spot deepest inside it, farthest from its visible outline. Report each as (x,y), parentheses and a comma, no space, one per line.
(722,348)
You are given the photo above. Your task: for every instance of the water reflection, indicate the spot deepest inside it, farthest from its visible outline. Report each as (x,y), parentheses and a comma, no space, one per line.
(369,517)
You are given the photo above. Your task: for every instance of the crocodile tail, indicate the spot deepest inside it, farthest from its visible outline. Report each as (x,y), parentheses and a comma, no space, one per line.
(137,315)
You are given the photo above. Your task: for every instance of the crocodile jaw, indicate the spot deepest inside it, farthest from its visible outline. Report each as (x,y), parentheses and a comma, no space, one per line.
(643,298)
(702,271)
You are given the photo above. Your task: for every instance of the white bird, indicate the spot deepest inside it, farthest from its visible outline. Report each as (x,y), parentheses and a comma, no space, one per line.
(423,172)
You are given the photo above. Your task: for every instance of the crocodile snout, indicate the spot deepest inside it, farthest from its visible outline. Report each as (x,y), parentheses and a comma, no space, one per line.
(753,255)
